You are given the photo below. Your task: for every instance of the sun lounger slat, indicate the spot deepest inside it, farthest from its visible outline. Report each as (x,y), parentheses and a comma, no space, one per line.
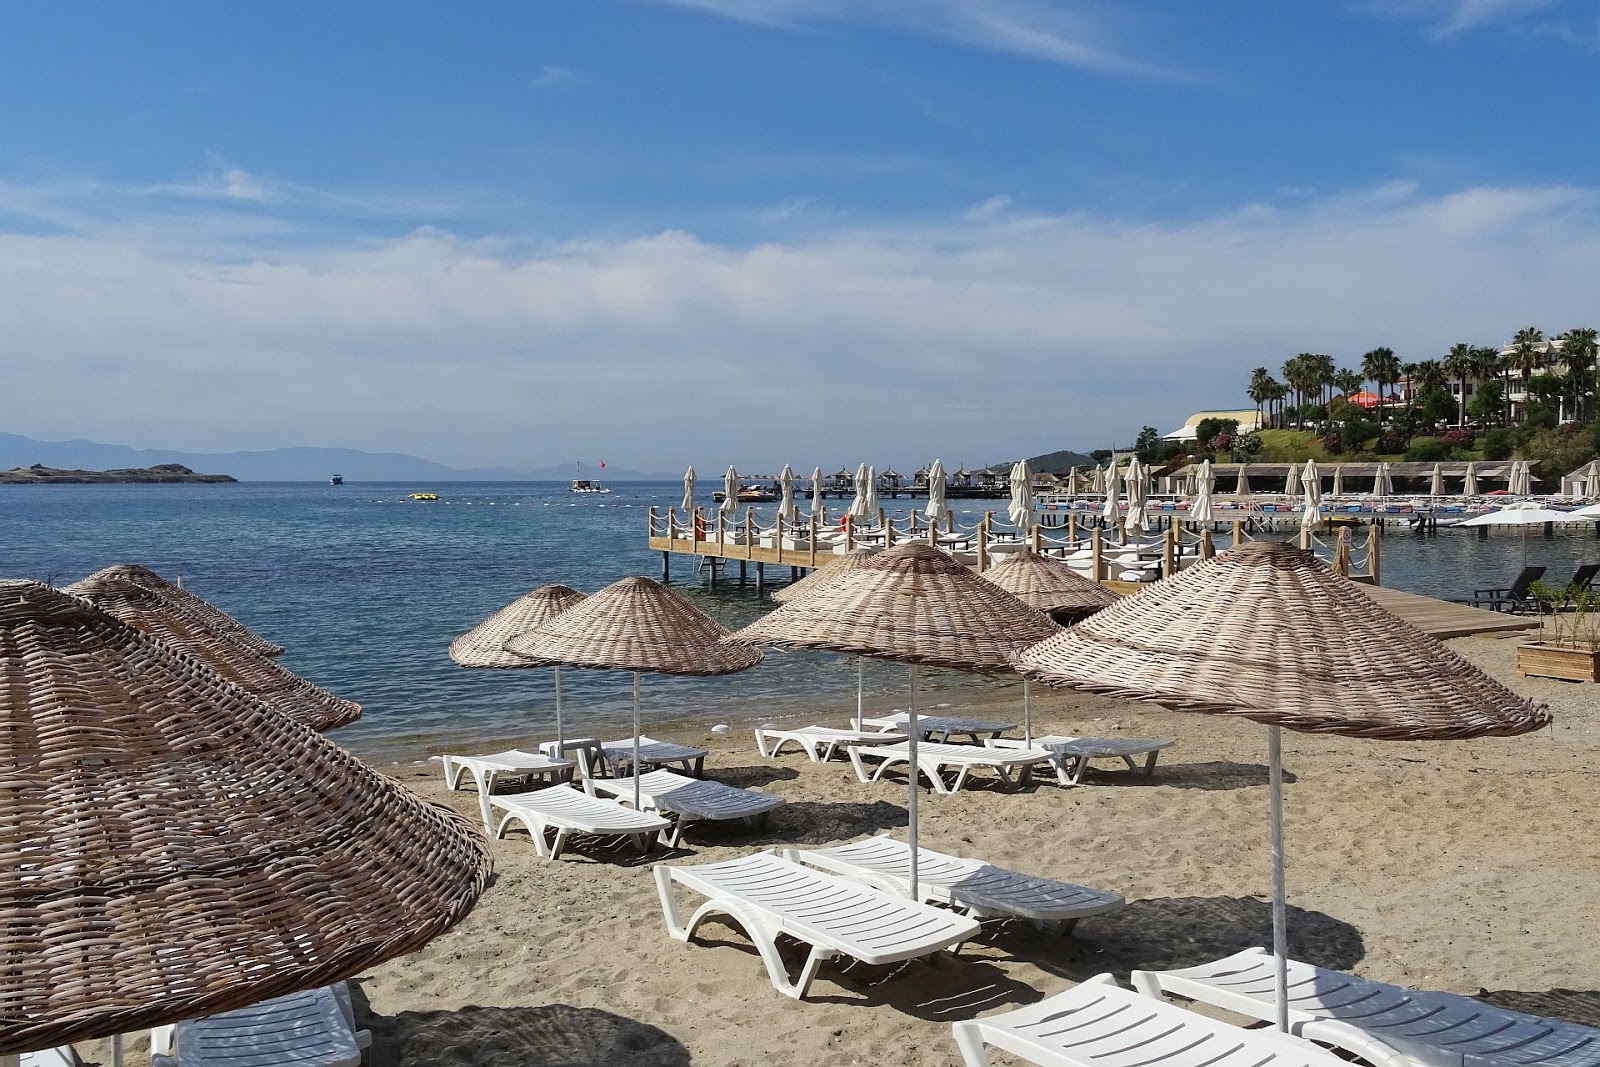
(570,811)
(1387,1025)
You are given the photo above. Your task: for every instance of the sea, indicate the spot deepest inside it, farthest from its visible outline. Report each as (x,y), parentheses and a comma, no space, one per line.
(366,588)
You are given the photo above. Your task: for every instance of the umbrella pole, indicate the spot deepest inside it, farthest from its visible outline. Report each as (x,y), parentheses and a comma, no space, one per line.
(861,691)
(1027,711)
(561,748)
(912,772)
(1280,916)
(636,732)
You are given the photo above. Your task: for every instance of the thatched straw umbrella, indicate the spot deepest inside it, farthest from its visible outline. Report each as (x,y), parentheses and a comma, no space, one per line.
(485,644)
(818,579)
(1270,633)
(174,848)
(167,620)
(636,625)
(1050,586)
(219,621)
(912,604)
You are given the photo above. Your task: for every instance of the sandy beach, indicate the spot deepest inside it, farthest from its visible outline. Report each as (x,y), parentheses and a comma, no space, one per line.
(1457,866)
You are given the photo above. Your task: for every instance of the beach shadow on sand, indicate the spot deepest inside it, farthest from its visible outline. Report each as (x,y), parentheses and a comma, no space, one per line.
(516,1037)
(1212,775)
(1573,1005)
(753,776)
(811,822)
(1167,932)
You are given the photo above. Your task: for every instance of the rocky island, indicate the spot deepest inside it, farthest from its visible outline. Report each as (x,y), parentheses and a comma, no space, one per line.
(39,474)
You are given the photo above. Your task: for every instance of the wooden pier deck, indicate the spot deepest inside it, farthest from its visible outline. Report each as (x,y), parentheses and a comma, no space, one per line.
(1442,619)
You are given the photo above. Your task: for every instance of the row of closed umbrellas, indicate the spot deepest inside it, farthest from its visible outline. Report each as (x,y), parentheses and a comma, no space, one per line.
(159,816)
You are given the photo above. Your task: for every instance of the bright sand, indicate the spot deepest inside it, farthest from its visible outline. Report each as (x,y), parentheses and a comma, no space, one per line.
(1454,866)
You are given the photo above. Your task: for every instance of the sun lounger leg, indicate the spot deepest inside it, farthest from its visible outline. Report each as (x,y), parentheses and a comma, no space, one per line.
(1150,764)
(938,780)
(699,766)
(861,770)
(554,850)
(760,935)
(1079,767)
(1063,771)
(969,1039)
(761,745)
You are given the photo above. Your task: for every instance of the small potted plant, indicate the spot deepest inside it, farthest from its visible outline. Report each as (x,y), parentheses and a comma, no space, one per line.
(1568,644)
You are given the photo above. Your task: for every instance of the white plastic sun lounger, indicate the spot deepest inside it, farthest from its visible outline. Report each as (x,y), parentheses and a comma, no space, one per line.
(1071,755)
(1099,1024)
(61,1056)
(1386,1025)
(691,799)
(512,763)
(569,811)
(820,743)
(933,758)
(312,1028)
(942,727)
(652,753)
(767,896)
(973,887)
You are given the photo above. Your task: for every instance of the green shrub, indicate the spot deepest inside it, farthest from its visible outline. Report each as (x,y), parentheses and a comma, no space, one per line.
(1498,444)
(1427,450)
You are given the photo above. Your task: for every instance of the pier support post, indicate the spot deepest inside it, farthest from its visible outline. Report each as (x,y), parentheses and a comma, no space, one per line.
(666,567)
(1373,554)
(761,578)
(1169,551)
(1238,533)
(1207,549)
(1097,545)
(742,574)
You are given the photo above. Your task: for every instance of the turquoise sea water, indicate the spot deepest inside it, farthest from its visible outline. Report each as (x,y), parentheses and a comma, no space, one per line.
(366,590)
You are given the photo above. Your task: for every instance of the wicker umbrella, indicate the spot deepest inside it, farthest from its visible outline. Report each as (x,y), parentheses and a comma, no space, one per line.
(938,508)
(1020,511)
(636,625)
(1270,633)
(175,849)
(485,644)
(218,620)
(912,604)
(1469,484)
(115,592)
(819,579)
(1311,480)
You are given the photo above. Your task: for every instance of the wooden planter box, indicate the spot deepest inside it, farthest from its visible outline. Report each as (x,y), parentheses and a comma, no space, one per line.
(1545,660)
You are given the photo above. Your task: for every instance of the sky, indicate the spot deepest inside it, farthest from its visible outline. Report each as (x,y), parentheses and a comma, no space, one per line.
(656,232)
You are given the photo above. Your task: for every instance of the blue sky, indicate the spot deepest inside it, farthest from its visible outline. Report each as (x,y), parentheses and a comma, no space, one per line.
(650,231)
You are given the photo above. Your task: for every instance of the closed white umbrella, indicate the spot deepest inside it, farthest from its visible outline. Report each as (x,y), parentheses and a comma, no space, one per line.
(872,493)
(858,507)
(730,493)
(1338,480)
(1097,481)
(1523,485)
(1200,507)
(1436,486)
(688,493)
(1313,490)
(1591,481)
(1112,506)
(1021,511)
(938,509)
(816,492)
(1469,487)
(1382,485)
(786,505)
(1291,484)
(1243,488)
(1072,483)
(1138,495)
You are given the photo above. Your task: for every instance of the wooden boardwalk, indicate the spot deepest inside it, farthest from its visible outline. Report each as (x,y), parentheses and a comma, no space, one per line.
(1442,619)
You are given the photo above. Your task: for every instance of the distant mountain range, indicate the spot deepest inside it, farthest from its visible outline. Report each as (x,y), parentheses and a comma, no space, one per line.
(289,464)
(1059,462)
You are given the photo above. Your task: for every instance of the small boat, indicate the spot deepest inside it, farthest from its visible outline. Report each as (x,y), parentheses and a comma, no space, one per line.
(337,479)
(585,485)
(424,496)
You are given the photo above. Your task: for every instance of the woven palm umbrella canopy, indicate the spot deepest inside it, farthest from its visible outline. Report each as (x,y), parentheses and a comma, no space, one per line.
(484,644)
(219,621)
(167,620)
(824,574)
(174,848)
(636,625)
(1270,633)
(912,604)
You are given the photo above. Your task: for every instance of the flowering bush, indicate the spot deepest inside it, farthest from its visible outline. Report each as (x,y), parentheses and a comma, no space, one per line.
(1462,438)
(1223,442)
(1333,443)
(1392,441)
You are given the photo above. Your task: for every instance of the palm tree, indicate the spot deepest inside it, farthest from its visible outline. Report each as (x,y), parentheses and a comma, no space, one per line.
(1579,349)
(1485,362)
(1348,382)
(1458,364)
(1260,389)
(1526,358)
(1428,376)
(1324,368)
(1383,367)
(1280,393)
(1294,375)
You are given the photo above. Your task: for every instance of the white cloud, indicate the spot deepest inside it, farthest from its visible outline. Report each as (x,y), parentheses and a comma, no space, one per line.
(1069,32)
(976,337)
(549,75)
(1572,21)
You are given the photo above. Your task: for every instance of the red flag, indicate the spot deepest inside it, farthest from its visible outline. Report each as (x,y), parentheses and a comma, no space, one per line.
(602,464)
